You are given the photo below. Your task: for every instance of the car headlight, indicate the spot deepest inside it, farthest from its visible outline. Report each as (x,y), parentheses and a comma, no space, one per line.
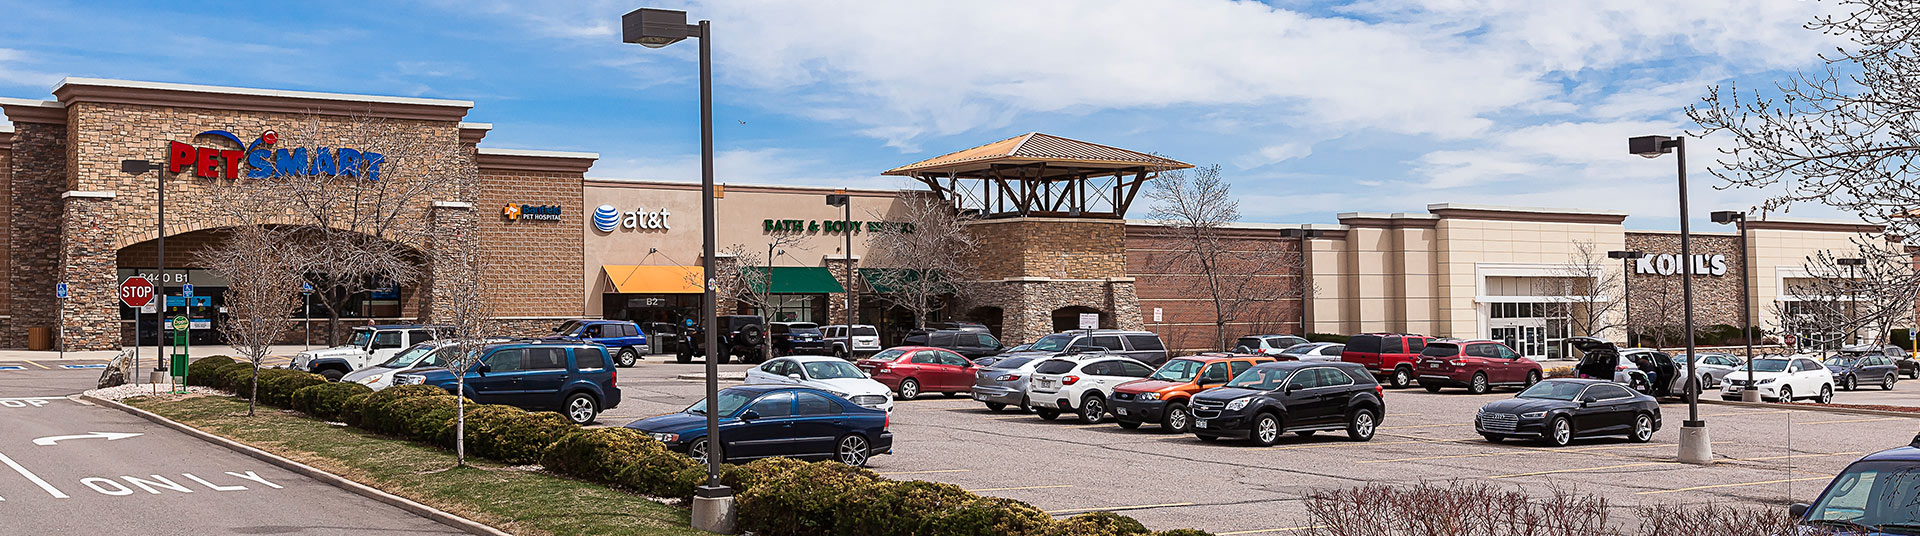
(665,437)
(370,380)
(1149,396)
(1767,381)
(1239,403)
(410,380)
(1533,415)
(840,394)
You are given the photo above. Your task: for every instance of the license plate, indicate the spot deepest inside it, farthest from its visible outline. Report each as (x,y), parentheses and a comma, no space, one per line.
(1120,411)
(1199,423)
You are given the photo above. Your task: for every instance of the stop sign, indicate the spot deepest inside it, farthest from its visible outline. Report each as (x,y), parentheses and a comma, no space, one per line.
(136,292)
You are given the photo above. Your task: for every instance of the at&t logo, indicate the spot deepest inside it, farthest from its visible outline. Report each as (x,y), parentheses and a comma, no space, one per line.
(606,218)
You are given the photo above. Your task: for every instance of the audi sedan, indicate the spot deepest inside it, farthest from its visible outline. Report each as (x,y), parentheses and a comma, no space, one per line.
(764,421)
(1559,411)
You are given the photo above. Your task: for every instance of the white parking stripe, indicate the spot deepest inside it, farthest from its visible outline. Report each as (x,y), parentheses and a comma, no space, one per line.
(30,476)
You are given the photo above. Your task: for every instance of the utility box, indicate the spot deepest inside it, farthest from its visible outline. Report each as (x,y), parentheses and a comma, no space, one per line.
(40,338)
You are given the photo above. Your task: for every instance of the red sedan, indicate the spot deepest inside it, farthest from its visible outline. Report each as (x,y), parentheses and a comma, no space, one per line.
(911,370)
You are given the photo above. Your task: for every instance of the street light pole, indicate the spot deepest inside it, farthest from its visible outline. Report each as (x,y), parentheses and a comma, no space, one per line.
(1695,446)
(1626,288)
(654,28)
(1739,219)
(841,199)
(1853,265)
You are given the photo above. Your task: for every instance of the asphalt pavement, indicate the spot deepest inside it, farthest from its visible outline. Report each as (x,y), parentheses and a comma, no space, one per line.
(69,467)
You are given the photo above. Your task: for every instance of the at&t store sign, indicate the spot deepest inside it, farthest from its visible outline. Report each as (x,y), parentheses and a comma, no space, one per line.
(607,218)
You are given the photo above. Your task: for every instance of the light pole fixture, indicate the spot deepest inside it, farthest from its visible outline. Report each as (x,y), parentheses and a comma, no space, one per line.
(1306,272)
(1853,265)
(1626,287)
(137,168)
(1695,447)
(655,28)
(841,199)
(1739,219)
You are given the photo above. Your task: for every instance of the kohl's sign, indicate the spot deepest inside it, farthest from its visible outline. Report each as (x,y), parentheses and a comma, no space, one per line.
(1664,264)
(265,161)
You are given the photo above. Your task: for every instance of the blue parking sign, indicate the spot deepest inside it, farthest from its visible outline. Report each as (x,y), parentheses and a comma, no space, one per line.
(60,291)
(187,290)
(306,288)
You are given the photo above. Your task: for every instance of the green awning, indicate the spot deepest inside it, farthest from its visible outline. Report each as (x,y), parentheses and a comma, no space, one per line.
(801,280)
(883,280)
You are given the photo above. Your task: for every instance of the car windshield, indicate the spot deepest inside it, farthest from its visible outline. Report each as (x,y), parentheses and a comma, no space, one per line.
(865,331)
(1051,343)
(360,337)
(1441,349)
(888,355)
(1876,495)
(1178,370)
(1054,366)
(1838,361)
(1766,365)
(830,370)
(730,401)
(1552,391)
(1262,378)
(413,355)
(1013,363)
(1299,349)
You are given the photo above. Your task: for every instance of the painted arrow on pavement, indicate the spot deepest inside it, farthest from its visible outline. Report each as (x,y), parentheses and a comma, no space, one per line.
(109,436)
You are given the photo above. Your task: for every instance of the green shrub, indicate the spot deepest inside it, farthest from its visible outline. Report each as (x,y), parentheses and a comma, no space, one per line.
(1327,337)
(889,508)
(991,515)
(324,401)
(510,434)
(1099,524)
(200,372)
(278,391)
(243,389)
(372,414)
(801,502)
(421,418)
(624,457)
(744,477)
(352,409)
(227,376)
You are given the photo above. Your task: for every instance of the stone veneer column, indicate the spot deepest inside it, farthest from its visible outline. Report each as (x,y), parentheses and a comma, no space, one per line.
(39,162)
(88,266)
(1124,304)
(837,302)
(450,243)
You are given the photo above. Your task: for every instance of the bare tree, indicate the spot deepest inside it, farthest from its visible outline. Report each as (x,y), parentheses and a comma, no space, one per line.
(1658,308)
(263,290)
(1581,291)
(1194,212)
(1840,301)
(754,274)
(366,216)
(925,254)
(465,308)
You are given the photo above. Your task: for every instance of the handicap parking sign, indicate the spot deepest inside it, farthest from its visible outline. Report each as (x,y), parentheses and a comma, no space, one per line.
(187,290)
(60,291)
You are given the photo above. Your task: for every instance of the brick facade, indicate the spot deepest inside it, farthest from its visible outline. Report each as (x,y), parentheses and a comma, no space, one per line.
(1187,313)
(533,265)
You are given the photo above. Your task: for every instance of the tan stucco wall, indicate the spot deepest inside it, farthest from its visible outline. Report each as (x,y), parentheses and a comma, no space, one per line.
(1465,246)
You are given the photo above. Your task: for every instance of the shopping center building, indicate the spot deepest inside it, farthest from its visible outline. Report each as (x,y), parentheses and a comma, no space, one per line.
(1055,241)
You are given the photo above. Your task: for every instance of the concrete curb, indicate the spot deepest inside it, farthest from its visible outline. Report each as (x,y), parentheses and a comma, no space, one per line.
(429,512)
(724,376)
(1801,407)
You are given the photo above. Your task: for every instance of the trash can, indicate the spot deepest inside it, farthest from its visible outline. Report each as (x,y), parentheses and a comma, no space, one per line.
(40,338)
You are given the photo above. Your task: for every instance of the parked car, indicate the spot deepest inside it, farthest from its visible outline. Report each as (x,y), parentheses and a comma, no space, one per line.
(960,325)
(662,337)
(1302,397)
(1874,495)
(826,373)
(740,335)
(1906,363)
(1083,387)
(577,379)
(866,340)
(428,354)
(763,421)
(1314,351)
(1642,369)
(912,370)
(1266,344)
(1712,367)
(1557,411)
(369,345)
(968,343)
(621,337)
(796,338)
(1003,382)
(1142,346)
(1164,396)
(1782,378)
(1848,371)
(1478,365)
(1389,356)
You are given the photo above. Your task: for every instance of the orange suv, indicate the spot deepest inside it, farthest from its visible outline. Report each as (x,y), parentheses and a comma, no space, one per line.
(1162,397)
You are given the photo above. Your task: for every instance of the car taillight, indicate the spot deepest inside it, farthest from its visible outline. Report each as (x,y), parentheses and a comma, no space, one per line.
(1069,380)
(1008,377)
(1458,362)
(615,380)
(1379,391)
(889,420)
(1623,367)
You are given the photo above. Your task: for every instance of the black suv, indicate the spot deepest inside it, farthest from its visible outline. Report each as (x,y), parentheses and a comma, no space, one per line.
(966,342)
(791,338)
(1302,397)
(741,335)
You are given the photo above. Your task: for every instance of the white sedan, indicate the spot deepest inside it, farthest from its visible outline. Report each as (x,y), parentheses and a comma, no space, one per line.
(1783,378)
(1315,351)
(826,373)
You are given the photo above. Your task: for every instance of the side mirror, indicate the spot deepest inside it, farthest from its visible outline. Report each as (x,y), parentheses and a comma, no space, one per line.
(1291,387)
(794,376)
(483,368)
(750,415)
(1586,403)
(1798,510)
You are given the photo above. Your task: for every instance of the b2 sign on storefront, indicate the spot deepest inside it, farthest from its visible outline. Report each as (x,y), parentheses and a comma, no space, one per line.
(265,162)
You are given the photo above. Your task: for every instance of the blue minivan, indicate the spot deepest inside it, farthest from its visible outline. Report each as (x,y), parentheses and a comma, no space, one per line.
(576,379)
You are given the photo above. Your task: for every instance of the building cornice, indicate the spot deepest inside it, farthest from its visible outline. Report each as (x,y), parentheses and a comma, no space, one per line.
(1807,224)
(472,133)
(34,111)
(97,90)
(490,159)
(1395,220)
(1526,214)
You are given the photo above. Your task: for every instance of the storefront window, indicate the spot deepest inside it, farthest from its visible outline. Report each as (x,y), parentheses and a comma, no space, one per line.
(797,308)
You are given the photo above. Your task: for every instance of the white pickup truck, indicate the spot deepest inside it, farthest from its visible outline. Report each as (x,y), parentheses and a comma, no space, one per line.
(369,345)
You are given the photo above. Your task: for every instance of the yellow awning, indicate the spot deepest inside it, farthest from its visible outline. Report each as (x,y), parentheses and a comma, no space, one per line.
(628,279)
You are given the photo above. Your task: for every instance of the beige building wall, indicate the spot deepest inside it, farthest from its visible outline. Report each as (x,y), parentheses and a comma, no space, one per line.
(1781,249)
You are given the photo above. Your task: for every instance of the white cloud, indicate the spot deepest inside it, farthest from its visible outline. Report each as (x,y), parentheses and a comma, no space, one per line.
(746,166)
(12,75)
(1274,154)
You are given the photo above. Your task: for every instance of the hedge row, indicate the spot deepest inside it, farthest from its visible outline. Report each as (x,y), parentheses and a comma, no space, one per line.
(777,496)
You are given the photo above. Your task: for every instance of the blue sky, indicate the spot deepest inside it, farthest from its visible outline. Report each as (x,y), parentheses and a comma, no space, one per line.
(1311,108)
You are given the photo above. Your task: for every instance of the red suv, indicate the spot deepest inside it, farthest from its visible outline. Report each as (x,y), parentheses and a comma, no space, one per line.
(911,370)
(1478,365)
(1389,356)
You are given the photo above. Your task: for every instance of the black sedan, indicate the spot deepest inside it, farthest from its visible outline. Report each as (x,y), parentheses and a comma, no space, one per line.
(1302,397)
(764,421)
(1557,411)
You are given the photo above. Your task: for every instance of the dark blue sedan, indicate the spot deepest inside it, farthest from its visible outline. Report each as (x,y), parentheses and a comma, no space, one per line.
(763,421)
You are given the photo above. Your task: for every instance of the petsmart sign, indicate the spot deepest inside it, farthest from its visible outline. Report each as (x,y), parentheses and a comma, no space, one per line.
(263,160)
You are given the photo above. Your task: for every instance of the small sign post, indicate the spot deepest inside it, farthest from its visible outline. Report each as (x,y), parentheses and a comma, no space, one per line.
(186,291)
(60,292)
(179,365)
(137,291)
(1089,320)
(306,290)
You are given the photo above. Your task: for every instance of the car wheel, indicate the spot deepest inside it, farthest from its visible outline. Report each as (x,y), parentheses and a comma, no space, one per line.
(1642,428)
(1093,409)
(1479,385)
(853,450)
(1025,404)
(1176,419)
(1360,425)
(683,357)
(1207,438)
(627,357)
(996,407)
(1850,383)
(840,353)
(1491,438)
(332,375)
(698,451)
(1402,377)
(1047,414)
(1130,425)
(1533,377)
(722,358)
(1826,395)
(581,409)
(1266,430)
(909,388)
(1886,384)
(1434,388)
(1786,394)
(1559,432)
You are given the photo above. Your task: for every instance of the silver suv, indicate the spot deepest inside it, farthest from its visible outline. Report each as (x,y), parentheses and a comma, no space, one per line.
(1144,346)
